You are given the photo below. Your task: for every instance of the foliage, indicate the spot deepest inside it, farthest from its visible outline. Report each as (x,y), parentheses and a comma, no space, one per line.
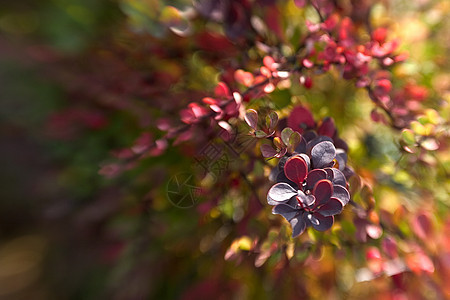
(232,149)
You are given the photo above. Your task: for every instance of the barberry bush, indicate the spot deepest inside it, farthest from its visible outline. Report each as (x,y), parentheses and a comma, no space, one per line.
(247,149)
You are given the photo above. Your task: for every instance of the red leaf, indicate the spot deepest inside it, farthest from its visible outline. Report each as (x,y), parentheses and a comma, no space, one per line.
(308,83)
(379,35)
(422,226)
(245,78)
(323,191)
(307,63)
(273,20)
(300,119)
(327,128)
(389,246)
(296,169)
(214,42)
(222,90)
(209,101)
(269,62)
(418,262)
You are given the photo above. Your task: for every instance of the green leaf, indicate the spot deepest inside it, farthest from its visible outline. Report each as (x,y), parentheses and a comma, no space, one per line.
(294,140)
(260,134)
(174,19)
(408,136)
(423,120)
(418,128)
(433,116)
(286,134)
(281,98)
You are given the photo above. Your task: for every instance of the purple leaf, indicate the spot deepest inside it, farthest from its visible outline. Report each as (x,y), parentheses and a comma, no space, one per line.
(301,147)
(296,169)
(306,159)
(298,225)
(314,140)
(310,200)
(319,222)
(331,208)
(232,107)
(342,153)
(341,158)
(323,154)
(327,128)
(251,117)
(340,162)
(341,144)
(281,163)
(348,172)
(313,220)
(389,246)
(273,174)
(268,151)
(323,191)
(293,202)
(281,177)
(310,136)
(281,153)
(336,176)
(341,193)
(306,200)
(285,210)
(280,192)
(360,225)
(228,130)
(314,176)
(272,120)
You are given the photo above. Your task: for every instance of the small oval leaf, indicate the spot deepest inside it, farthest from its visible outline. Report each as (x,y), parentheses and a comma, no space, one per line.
(260,134)
(298,225)
(277,142)
(286,134)
(408,137)
(251,117)
(323,154)
(294,140)
(280,193)
(296,169)
(323,191)
(267,151)
(272,120)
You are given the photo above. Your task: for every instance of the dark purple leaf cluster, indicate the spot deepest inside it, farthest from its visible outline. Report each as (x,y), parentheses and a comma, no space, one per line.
(311,186)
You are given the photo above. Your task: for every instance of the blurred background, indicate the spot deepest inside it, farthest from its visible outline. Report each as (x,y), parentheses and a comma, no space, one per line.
(51,145)
(73,74)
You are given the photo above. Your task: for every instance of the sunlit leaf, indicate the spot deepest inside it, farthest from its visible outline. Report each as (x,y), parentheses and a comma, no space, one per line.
(251,117)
